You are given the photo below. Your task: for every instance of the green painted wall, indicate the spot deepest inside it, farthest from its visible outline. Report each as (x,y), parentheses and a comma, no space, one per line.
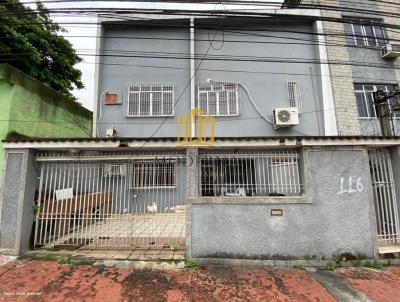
(29,108)
(5,102)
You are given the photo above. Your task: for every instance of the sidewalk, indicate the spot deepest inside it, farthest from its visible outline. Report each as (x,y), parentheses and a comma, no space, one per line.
(34,280)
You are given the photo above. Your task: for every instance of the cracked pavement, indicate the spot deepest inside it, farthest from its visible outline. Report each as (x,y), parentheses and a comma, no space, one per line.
(35,280)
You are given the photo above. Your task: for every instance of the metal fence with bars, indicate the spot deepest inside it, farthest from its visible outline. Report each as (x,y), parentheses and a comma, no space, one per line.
(263,173)
(133,200)
(139,200)
(386,208)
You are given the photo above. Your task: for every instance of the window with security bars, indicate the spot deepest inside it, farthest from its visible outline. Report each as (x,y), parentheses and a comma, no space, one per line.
(150,100)
(294,94)
(250,174)
(365,98)
(148,175)
(370,33)
(218,99)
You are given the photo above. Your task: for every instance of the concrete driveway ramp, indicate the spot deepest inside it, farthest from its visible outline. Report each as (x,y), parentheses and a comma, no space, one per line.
(339,287)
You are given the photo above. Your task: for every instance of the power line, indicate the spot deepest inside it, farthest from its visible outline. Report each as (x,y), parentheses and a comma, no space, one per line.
(232,30)
(118,17)
(249,59)
(238,71)
(203,13)
(309,41)
(231,3)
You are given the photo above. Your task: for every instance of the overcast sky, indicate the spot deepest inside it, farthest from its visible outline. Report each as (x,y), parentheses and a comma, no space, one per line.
(87,44)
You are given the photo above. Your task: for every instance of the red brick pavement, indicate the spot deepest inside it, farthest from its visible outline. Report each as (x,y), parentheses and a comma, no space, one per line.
(24,280)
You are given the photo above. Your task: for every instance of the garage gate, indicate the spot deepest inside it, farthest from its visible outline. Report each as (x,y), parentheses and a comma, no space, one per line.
(111,200)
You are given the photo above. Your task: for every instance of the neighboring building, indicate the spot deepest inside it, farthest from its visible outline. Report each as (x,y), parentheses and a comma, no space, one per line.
(363,39)
(281,186)
(32,110)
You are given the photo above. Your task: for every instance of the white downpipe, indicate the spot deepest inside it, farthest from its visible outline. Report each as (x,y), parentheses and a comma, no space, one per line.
(327,93)
(192,76)
(95,119)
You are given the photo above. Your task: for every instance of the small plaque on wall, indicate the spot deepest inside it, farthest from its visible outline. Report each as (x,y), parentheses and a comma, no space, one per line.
(276,212)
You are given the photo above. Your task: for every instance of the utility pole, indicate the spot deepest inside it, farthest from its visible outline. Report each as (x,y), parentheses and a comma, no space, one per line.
(386,104)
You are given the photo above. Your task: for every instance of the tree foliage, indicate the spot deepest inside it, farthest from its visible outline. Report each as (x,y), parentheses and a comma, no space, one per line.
(32,42)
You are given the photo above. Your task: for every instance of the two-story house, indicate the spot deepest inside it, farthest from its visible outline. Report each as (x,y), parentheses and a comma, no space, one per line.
(277,182)
(237,69)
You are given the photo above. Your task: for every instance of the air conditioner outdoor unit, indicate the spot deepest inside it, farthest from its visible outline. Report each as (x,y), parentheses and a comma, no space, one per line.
(111,132)
(391,51)
(115,169)
(286,117)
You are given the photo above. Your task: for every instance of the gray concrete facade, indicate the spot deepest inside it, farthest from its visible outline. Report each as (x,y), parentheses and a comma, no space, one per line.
(259,59)
(332,220)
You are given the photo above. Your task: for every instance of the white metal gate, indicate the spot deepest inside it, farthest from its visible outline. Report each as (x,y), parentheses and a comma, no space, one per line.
(122,200)
(387,212)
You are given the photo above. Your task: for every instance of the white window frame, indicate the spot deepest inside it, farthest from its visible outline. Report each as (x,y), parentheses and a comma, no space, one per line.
(211,88)
(164,90)
(365,92)
(365,36)
(145,183)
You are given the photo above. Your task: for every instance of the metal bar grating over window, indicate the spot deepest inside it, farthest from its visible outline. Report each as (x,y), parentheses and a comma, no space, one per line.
(294,94)
(250,174)
(150,100)
(218,99)
(372,34)
(148,175)
(365,98)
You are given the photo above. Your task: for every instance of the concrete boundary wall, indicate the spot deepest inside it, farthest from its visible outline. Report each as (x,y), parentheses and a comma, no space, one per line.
(334,219)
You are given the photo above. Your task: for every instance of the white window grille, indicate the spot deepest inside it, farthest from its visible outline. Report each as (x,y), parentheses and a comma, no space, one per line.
(150,100)
(365,98)
(367,34)
(148,175)
(250,174)
(294,94)
(218,99)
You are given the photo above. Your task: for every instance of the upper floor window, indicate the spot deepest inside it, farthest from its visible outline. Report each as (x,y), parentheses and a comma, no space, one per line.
(365,98)
(367,34)
(218,99)
(150,100)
